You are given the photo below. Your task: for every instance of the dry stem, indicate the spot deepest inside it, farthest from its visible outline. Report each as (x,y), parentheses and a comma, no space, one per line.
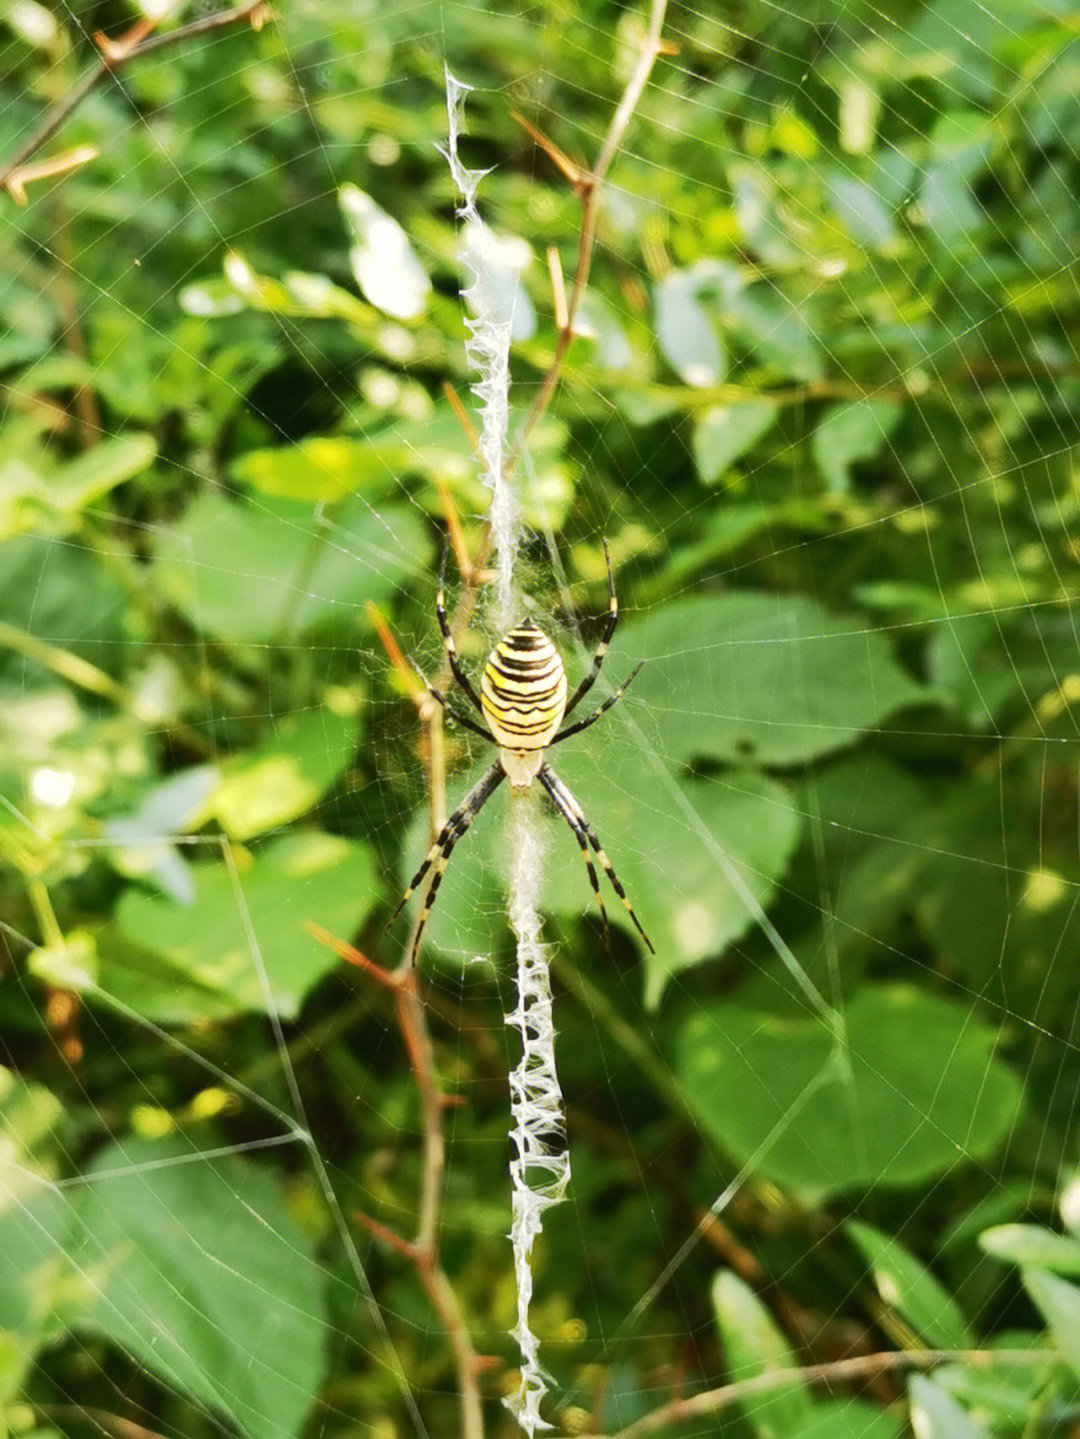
(423,1251)
(18,172)
(588,183)
(839,1371)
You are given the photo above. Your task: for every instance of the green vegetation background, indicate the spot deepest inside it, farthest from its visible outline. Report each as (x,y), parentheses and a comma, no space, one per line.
(827,417)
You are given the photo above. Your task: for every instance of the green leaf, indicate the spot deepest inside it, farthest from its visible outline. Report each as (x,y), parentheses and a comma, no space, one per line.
(685,852)
(780,1093)
(671,849)
(753,1346)
(726,432)
(33,1221)
(34,494)
(845,1419)
(109,463)
(688,337)
(194,1266)
(773,679)
(778,330)
(848,434)
(1003,1391)
(259,573)
(1032,1246)
(906,1285)
(284,778)
(182,963)
(324,468)
(935,1414)
(1059,1303)
(1010,942)
(389,275)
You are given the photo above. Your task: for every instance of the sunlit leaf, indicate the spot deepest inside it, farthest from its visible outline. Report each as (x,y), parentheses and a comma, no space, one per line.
(688,335)
(242,943)
(256,573)
(389,275)
(284,777)
(1033,1247)
(935,1414)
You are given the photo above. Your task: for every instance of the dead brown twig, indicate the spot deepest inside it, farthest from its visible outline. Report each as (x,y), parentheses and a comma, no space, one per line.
(839,1371)
(423,1251)
(587,184)
(136,41)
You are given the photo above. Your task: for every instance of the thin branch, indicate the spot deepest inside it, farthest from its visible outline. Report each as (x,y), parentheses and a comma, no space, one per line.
(423,1252)
(839,1371)
(588,185)
(135,43)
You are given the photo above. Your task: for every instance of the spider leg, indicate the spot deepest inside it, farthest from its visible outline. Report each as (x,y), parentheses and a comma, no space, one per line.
(555,787)
(601,650)
(451,649)
(439,854)
(546,778)
(450,709)
(611,700)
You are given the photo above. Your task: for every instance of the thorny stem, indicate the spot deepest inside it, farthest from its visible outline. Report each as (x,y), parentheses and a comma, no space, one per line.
(589,185)
(113,56)
(839,1371)
(423,1252)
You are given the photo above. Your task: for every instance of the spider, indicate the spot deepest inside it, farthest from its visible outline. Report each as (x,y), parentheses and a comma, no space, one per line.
(523,703)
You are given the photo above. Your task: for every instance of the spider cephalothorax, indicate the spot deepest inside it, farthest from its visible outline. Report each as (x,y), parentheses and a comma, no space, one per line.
(523,702)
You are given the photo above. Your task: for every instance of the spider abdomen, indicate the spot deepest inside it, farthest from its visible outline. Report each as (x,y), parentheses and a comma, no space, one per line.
(523,693)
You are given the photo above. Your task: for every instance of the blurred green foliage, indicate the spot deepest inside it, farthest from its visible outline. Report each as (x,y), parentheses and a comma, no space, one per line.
(824,406)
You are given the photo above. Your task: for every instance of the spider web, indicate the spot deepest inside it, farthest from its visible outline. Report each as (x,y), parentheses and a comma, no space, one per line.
(841,795)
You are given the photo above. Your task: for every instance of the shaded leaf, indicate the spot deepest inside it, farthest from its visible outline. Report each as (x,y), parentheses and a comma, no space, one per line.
(186,1259)
(775,679)
(848,434)
(753,1345)
(846,1418)
(780,1094)
(906,1285)
(725,433)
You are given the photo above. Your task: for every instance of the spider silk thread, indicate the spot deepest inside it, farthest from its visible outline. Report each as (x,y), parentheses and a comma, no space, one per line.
(540,1162)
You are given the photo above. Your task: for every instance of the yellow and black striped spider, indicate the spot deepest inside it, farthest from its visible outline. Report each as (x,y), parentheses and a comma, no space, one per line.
(523,703)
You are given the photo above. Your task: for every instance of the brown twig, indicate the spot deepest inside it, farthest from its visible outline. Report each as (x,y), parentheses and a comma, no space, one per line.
(423,1251)
(839,1371)
(135,42)
(588,183)
(114,1424)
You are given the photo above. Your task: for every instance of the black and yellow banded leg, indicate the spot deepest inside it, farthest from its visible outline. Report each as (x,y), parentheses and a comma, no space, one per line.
(445,840)
(579,834)
(611,700)
(452,710)
(559,791)
(602,648)
(451,649)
